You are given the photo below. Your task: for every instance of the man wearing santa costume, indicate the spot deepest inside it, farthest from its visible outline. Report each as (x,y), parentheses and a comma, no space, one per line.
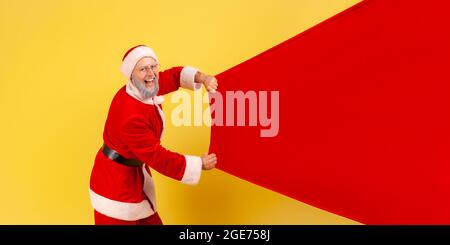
(121,185)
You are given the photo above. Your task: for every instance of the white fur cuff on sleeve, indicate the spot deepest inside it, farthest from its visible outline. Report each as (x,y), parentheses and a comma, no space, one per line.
(187,78)
(193,170)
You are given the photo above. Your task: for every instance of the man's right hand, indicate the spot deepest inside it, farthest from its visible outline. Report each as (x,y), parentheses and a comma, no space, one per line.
(209,161)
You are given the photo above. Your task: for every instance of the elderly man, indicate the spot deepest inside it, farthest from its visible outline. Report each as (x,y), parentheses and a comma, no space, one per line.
(121,185)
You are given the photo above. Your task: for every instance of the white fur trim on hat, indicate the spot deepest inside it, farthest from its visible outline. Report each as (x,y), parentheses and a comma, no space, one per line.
(133,57)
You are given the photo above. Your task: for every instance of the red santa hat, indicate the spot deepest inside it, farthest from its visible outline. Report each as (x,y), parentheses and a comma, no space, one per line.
(132,56)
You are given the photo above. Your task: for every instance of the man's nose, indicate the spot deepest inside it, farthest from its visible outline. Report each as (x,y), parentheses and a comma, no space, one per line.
(150,72)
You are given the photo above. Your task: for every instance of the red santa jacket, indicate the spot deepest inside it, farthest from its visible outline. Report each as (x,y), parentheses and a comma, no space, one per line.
(134,128)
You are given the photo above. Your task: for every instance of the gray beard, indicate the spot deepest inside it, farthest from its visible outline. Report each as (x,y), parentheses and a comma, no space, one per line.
(146,92)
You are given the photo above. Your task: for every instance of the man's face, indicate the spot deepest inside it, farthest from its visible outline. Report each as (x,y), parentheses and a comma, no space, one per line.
(145,76)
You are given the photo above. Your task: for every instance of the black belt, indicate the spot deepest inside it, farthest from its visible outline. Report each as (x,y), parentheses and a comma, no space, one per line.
(116,157)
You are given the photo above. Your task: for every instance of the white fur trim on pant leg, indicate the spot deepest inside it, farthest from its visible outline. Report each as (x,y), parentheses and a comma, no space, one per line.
(187,78)
(120,210)
(193,170)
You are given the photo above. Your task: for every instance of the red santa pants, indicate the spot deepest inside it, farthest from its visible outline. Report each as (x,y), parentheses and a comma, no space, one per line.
(101,219)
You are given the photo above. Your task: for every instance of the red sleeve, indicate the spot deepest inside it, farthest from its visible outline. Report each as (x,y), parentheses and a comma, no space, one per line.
(169,80)
(138,135)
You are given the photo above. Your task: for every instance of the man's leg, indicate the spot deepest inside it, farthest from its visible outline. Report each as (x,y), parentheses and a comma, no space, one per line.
(101,219)
(151,220)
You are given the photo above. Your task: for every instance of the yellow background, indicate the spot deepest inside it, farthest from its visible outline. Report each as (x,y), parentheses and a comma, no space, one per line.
(59,71)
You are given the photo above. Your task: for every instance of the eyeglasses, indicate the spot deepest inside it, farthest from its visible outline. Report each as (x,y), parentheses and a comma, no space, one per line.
(154,68)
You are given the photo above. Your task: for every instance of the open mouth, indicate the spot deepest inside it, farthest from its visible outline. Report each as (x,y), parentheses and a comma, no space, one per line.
(149,82)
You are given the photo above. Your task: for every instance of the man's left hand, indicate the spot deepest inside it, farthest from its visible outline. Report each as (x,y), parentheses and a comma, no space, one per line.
(210,82)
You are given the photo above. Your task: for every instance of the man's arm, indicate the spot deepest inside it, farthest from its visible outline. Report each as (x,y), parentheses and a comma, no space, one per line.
(147,148)
(186,77)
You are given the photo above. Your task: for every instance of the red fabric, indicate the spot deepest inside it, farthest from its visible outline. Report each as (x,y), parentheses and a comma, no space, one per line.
(134,129)
(101,219)
(364,115)
(131,49)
